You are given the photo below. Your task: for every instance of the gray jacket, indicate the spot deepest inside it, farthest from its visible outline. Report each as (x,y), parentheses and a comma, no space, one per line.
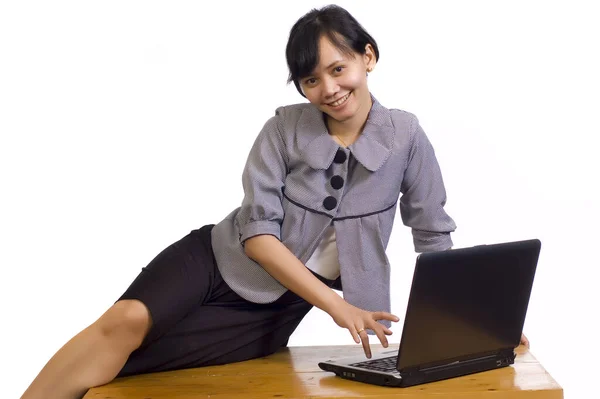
(297,181)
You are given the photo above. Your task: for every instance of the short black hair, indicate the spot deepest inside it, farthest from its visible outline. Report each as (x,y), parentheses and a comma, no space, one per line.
(344,31)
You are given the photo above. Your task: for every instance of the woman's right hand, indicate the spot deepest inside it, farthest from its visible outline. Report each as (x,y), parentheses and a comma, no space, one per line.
(357,321)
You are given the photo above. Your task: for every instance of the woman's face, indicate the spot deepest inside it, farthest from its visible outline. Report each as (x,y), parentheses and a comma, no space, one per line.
(338,84)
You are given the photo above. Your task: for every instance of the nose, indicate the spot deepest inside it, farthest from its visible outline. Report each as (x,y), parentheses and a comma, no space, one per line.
(330,87)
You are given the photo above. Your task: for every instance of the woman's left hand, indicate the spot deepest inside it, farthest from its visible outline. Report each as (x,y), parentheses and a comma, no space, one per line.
(524,341)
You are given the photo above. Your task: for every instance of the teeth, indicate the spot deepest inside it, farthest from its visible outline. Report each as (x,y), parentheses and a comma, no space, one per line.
(340,101)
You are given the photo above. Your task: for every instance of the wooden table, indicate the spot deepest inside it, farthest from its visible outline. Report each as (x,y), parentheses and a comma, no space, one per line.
(293,373)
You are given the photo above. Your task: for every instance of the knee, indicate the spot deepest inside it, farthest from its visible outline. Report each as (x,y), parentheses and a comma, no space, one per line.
(127,321)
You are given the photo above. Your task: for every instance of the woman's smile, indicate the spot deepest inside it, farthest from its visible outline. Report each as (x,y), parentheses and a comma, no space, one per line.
(339,102)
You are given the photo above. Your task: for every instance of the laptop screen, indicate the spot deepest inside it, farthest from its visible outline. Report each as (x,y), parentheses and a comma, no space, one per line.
(467,301)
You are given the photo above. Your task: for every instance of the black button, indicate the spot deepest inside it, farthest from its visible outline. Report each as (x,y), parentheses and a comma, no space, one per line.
(329,203)
(340,156)
(337,182)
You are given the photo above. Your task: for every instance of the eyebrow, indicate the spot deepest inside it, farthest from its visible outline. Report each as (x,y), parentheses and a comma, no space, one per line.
(333,63)
(327,67)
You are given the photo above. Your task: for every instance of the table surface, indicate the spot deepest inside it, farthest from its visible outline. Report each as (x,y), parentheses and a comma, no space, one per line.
(293,373)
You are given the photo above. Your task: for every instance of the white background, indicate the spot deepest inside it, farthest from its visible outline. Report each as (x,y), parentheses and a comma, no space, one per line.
(126,124)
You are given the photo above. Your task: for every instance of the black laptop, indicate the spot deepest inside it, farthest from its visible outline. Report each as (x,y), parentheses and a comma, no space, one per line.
(465,314)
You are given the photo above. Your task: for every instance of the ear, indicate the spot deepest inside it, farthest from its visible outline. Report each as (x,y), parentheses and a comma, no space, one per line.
(369,57)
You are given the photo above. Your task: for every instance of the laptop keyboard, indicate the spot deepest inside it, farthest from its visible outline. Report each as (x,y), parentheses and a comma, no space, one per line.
(386,364)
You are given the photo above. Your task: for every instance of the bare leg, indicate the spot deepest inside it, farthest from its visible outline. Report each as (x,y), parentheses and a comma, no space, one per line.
(94,356)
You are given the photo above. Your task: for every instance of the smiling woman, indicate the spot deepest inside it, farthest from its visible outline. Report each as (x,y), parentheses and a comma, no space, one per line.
(322,183)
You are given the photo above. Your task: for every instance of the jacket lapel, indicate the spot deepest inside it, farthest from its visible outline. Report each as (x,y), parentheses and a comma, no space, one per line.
(371,149)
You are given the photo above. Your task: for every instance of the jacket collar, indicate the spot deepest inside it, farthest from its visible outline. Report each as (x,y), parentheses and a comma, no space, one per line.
(371,149)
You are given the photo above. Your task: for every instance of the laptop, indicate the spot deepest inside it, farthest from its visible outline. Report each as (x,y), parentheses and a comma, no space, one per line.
(465,314)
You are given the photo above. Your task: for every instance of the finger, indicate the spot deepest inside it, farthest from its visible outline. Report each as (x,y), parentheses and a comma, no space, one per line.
(380,334)
(355,335)
(385,330)
(364,337)
(385,316)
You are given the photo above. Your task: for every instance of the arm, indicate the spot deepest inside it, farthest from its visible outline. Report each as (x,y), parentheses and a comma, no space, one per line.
(280,263)
(261,215)
(424,196)
(286,268)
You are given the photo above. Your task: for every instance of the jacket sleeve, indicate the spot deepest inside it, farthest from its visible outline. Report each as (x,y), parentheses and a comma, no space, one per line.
(263,181)
(424,196)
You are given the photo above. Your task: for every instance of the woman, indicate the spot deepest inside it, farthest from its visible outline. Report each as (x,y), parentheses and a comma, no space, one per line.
(321,186)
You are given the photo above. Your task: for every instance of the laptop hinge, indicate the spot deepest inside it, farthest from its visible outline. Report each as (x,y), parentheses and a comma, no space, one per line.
(502,353)
(462,362)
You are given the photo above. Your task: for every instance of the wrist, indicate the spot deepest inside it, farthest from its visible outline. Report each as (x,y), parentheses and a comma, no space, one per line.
(332,303)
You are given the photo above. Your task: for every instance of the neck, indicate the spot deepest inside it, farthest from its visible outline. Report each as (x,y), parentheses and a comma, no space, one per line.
(350,129)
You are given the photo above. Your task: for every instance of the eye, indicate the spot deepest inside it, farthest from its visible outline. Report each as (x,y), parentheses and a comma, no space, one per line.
(310,81)
(338,69)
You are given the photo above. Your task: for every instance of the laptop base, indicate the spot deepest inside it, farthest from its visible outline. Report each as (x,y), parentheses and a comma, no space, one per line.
(423,375)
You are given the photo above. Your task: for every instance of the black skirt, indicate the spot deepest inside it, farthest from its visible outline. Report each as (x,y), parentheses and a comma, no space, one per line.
(197,320)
